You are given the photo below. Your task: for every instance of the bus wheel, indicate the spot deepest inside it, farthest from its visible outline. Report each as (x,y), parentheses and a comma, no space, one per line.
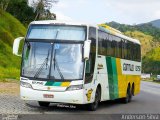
(132,91)
(44,104)
(93,106)
(128,97)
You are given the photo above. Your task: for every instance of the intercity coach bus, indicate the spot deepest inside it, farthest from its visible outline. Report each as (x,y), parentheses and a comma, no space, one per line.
(76,63)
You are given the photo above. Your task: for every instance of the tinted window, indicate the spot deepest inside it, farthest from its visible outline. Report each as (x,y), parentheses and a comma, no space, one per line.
(111,45)
(91,62)
(92,35)
(56,32)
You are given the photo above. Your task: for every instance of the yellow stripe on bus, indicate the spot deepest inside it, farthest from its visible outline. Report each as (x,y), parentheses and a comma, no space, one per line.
(65,84)
(123,80)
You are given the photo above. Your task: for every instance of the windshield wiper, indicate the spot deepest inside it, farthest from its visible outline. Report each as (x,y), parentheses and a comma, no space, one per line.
(42,65)
(55,61)
(57,66)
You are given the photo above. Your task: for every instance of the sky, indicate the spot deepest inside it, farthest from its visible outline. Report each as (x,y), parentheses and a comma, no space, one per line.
(101,11)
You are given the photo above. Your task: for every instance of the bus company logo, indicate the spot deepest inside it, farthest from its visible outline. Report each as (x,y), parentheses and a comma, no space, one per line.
(100,66)
(37,82)
(89,94)
(131,67)
(128,67)
(48,88)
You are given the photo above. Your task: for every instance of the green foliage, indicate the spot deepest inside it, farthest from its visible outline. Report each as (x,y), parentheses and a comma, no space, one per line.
(21,10)
(9,73)
(9,64)
(151,61)
(121,27)
(147,29)
(4,4)
(42,9)
(10,28)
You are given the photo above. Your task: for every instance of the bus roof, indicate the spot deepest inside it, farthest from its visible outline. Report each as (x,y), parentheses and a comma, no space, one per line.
(60,22)
(102,27)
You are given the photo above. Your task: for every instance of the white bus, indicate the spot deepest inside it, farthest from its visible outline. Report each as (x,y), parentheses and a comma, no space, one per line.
(76,63)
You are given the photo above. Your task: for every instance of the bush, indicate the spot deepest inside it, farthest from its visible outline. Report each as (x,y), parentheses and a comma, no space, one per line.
(10,28)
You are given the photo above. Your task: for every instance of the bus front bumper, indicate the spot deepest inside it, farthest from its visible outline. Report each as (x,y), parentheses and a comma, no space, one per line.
(72,97)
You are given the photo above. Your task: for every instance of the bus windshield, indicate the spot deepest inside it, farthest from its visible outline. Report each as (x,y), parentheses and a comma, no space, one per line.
(58,61)
(38,32)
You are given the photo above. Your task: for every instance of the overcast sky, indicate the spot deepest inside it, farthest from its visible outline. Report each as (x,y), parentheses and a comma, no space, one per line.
(100,11)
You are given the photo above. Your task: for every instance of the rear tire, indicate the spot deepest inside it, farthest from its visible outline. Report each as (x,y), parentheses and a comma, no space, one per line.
(43,104)
(132,91)
(93,106)
(128,97)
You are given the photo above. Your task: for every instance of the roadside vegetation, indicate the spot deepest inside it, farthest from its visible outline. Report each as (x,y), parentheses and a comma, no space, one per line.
(10,28)
(15,15)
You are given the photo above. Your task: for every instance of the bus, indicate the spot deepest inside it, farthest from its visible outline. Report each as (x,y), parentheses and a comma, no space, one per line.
(77,63)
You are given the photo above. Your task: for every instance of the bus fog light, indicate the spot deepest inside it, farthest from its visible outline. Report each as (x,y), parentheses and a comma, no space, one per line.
(74,87)
(25,84)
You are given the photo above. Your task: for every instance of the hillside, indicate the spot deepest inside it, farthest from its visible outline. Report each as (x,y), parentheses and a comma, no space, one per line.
(146,28)
(155,23)
(149,37)
(146,40)
(10,28)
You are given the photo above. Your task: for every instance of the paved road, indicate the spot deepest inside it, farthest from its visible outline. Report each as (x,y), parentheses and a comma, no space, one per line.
(148,101)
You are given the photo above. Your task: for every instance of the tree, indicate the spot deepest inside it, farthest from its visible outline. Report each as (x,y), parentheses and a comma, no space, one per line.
(4,4)
(21,10)
(42,9)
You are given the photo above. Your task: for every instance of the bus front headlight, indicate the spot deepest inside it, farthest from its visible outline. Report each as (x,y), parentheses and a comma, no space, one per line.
(74,87)
(25,84)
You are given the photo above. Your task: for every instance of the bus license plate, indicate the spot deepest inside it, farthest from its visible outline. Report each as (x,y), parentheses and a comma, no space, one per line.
(48,96)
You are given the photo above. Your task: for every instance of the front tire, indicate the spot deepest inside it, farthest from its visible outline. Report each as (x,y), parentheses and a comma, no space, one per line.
(43,104)
(93,106)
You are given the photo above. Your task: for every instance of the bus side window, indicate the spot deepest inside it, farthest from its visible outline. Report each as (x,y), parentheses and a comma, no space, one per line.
(128,50)
(131,49)
(113,45)
(118,47)
(90,64)
(99,42)
(122,47)
(110,45)
(107,44)
(125,50)
(134,52)
(103,43)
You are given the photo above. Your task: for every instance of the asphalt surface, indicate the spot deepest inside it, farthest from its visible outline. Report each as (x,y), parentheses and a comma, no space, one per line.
(148,101)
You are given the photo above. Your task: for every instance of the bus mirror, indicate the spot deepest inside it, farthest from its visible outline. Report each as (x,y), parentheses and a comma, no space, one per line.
(87,45)
(16,45)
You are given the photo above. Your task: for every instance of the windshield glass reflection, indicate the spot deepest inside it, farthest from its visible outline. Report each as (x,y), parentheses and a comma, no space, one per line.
(66,62)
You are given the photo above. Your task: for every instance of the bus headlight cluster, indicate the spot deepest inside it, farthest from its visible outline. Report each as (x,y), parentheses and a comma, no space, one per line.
(74,87)
(25,84)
